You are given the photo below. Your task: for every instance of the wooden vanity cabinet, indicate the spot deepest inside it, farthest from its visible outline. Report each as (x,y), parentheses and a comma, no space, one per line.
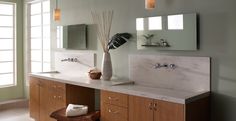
(146,109)
(34,95)
(140,109)
(167,111)
(114,106)
(47,96)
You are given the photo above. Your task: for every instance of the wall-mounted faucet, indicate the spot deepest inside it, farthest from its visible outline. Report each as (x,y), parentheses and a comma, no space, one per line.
(165,65)
(70,60)
(75,60)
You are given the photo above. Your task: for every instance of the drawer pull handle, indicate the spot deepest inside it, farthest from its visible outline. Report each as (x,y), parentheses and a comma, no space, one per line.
(155,106)
(150,106)
(112,98)
(114,112)
(59,97)
(54,97)
(39,84)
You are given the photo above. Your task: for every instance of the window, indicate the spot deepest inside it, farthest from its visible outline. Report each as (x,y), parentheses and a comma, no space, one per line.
(155,23)
(175,22)
(40,53)
(59,36)
(7,44)
(139,24)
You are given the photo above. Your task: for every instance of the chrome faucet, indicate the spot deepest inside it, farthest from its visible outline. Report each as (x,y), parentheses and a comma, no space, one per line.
(70,60)
(165,65)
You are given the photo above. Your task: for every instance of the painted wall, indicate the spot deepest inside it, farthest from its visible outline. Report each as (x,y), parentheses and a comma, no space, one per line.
(217,35)
(16,91)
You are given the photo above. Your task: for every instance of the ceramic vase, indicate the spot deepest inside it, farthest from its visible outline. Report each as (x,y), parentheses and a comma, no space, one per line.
(106,66)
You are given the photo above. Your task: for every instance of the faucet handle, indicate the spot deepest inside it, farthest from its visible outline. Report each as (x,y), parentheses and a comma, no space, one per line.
(157,65)
(165,65)
(172,66)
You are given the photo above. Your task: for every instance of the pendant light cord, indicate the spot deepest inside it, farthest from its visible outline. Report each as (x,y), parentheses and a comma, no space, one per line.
(56,4)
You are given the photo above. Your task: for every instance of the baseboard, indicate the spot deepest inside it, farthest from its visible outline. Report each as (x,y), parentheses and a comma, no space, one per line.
(11,104)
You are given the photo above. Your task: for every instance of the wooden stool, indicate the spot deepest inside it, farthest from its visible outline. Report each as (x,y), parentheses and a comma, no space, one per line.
(59,115)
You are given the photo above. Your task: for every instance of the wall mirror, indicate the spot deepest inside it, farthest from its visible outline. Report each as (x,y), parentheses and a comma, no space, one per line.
(170,32)
(72,37)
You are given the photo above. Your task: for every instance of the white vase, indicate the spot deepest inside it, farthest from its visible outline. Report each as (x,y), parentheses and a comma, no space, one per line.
(106,66)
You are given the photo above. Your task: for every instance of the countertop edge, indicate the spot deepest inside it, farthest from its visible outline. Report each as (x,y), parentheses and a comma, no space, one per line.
(129,91)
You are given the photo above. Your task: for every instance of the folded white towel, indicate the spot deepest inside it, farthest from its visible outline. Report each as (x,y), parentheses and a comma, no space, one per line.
(76,110)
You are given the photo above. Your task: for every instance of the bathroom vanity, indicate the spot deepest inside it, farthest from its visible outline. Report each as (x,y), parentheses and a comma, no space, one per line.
(122,107)
(49,92)
(167,88)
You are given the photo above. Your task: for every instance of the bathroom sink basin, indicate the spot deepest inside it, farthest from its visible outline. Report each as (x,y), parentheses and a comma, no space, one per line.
(49,72)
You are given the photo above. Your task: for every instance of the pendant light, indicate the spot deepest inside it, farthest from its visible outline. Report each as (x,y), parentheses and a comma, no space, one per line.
(57,13)
(150,4)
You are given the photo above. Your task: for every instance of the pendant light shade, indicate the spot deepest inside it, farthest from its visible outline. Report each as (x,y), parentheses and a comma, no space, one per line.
(57,13)
(150,4)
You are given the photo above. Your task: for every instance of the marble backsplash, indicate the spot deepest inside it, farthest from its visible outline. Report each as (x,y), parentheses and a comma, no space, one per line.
(74,64)
(171,72)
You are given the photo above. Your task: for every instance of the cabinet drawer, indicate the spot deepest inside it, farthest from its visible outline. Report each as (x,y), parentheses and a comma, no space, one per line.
(57,100)
(58,86)
(44,84)
(113,113)
(114,98)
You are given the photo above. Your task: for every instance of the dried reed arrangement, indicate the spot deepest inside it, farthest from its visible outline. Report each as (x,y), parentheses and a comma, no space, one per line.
(104,21)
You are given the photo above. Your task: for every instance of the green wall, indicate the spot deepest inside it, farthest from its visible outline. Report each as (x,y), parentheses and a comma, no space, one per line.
(217,35)
(16,91)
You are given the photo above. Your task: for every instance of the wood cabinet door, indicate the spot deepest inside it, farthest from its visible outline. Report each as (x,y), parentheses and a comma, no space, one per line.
(59,100)
(140,109)
(167,111)
(55,102)
(34,98)
(44,101)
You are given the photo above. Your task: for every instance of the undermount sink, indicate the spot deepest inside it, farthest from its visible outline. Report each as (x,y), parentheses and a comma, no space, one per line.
(49,72)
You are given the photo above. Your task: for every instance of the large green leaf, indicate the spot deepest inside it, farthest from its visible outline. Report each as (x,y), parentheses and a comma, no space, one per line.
(118,39)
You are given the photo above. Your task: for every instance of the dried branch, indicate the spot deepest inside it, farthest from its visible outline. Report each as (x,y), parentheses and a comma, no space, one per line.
(103,21)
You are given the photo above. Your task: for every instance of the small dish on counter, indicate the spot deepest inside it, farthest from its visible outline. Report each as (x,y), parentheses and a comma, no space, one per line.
(95,74)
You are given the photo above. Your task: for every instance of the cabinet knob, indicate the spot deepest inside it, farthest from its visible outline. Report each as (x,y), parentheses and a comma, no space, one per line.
(39,83)
(114,112)
(150,106)
(113,98)
(54,97)
(155,106)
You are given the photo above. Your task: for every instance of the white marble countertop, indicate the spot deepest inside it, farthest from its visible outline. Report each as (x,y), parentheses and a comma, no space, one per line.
(176,96)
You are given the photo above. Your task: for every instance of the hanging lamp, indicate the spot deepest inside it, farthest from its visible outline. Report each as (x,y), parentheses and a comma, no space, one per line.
(150,4)
(57,13)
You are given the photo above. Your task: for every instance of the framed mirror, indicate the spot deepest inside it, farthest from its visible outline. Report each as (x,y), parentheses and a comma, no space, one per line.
(170,32)
(73,37)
